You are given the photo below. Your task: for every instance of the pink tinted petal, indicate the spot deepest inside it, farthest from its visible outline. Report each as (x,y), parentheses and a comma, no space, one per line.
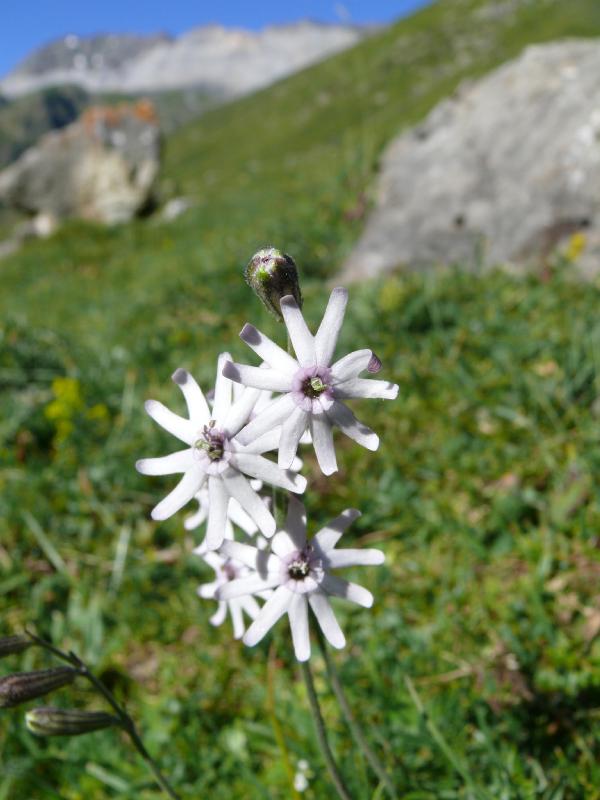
(328,537)
(197,406)
(270,379)
(223,391)
(340,415)
(181,494)
(218,499)
(322,436)
(268,419)
(180,461)
(291,432)
(239,487)
(265,470)
(329,329)
(177,426)
(350,591)
(354,558)
(302,339)
(326,619)
(270,352)
(351,366)
(298,614)
(273,610)
(365,387)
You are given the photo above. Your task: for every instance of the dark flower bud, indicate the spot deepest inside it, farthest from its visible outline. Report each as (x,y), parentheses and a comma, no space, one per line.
(49,721)
(273,275)
(13,644)
(374,364)
(23,686)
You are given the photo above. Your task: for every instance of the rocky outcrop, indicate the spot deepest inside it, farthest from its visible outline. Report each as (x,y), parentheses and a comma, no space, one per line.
(504,172)
(224,61)
(103,167)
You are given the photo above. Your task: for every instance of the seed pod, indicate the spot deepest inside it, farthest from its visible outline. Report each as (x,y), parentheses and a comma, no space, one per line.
(49,721)
(13,644)
(23,686)
(273,275)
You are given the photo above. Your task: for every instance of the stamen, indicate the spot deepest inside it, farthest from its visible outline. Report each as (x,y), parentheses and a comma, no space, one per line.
(211,441)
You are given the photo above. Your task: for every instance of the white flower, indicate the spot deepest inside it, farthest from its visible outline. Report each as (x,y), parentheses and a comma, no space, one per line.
(313,388)
(228,569)
(214,455)
(235,514)
(298,570)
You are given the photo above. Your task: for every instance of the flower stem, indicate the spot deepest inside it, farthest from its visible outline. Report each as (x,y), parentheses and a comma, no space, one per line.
(127,722)
(355,730)
(277,730)
(313,700)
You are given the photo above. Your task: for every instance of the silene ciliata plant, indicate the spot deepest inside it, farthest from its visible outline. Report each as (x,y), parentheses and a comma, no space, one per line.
(292,396)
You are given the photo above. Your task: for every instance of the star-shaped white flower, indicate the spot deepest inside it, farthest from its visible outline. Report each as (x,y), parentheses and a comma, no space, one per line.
(298,571)
(215,456)
(226,570)
(313,388)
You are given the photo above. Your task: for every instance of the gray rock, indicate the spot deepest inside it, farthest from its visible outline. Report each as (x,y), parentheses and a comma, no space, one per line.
(103,167)
(502,173)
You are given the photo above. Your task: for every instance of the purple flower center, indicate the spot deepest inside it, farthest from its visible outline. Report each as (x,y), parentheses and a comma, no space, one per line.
(211,442)
(302,570)
(312,388)
(230,571)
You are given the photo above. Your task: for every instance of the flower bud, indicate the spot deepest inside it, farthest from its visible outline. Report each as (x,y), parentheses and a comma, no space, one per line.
(49,721)
(23,686)
(273,275)
(13,644)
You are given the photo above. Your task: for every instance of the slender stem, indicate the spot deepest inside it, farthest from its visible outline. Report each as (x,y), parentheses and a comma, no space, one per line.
(334,773)
(127,722)
(336,684)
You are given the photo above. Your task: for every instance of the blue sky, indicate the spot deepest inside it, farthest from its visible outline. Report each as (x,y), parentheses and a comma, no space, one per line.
(27,25)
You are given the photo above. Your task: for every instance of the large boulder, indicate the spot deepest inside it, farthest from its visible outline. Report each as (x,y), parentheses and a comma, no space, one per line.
(102,167)
(503,172)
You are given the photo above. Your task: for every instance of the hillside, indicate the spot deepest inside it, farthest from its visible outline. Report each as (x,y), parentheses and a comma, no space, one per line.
(483,493)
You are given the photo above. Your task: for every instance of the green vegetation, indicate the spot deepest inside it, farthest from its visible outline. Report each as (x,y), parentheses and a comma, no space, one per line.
(482,493)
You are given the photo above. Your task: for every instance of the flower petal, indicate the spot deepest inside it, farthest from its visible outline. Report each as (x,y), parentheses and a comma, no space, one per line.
(291,433)
(293,536)
(239,517)
(340,415)
(184,491)
(177,426)
(259,378)
(258,560)
(275,356)
(326,618)
(218,500)
(218,618)
(302,339)
(265,470)
(298,614)
(195,520)
(239,487)
(365,387)
(237,619)
(351,366)
(241,410)
(322,436)
(207,590)
(263,444)
(350,591)
(269,418)
(329,329)
(328,537)
(353,558)
(273,609)
(180,461)
(249,585)
(250,606)
(223,390)
(197,406)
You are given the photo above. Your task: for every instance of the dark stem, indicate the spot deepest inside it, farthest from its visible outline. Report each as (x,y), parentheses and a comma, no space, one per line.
(355,730)
(334,773)
(127,722)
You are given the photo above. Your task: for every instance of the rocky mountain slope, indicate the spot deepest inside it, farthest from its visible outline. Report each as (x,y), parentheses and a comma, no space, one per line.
(226,61)
(504,172)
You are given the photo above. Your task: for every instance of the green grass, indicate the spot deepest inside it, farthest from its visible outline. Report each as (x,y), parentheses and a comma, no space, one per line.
(482,493)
